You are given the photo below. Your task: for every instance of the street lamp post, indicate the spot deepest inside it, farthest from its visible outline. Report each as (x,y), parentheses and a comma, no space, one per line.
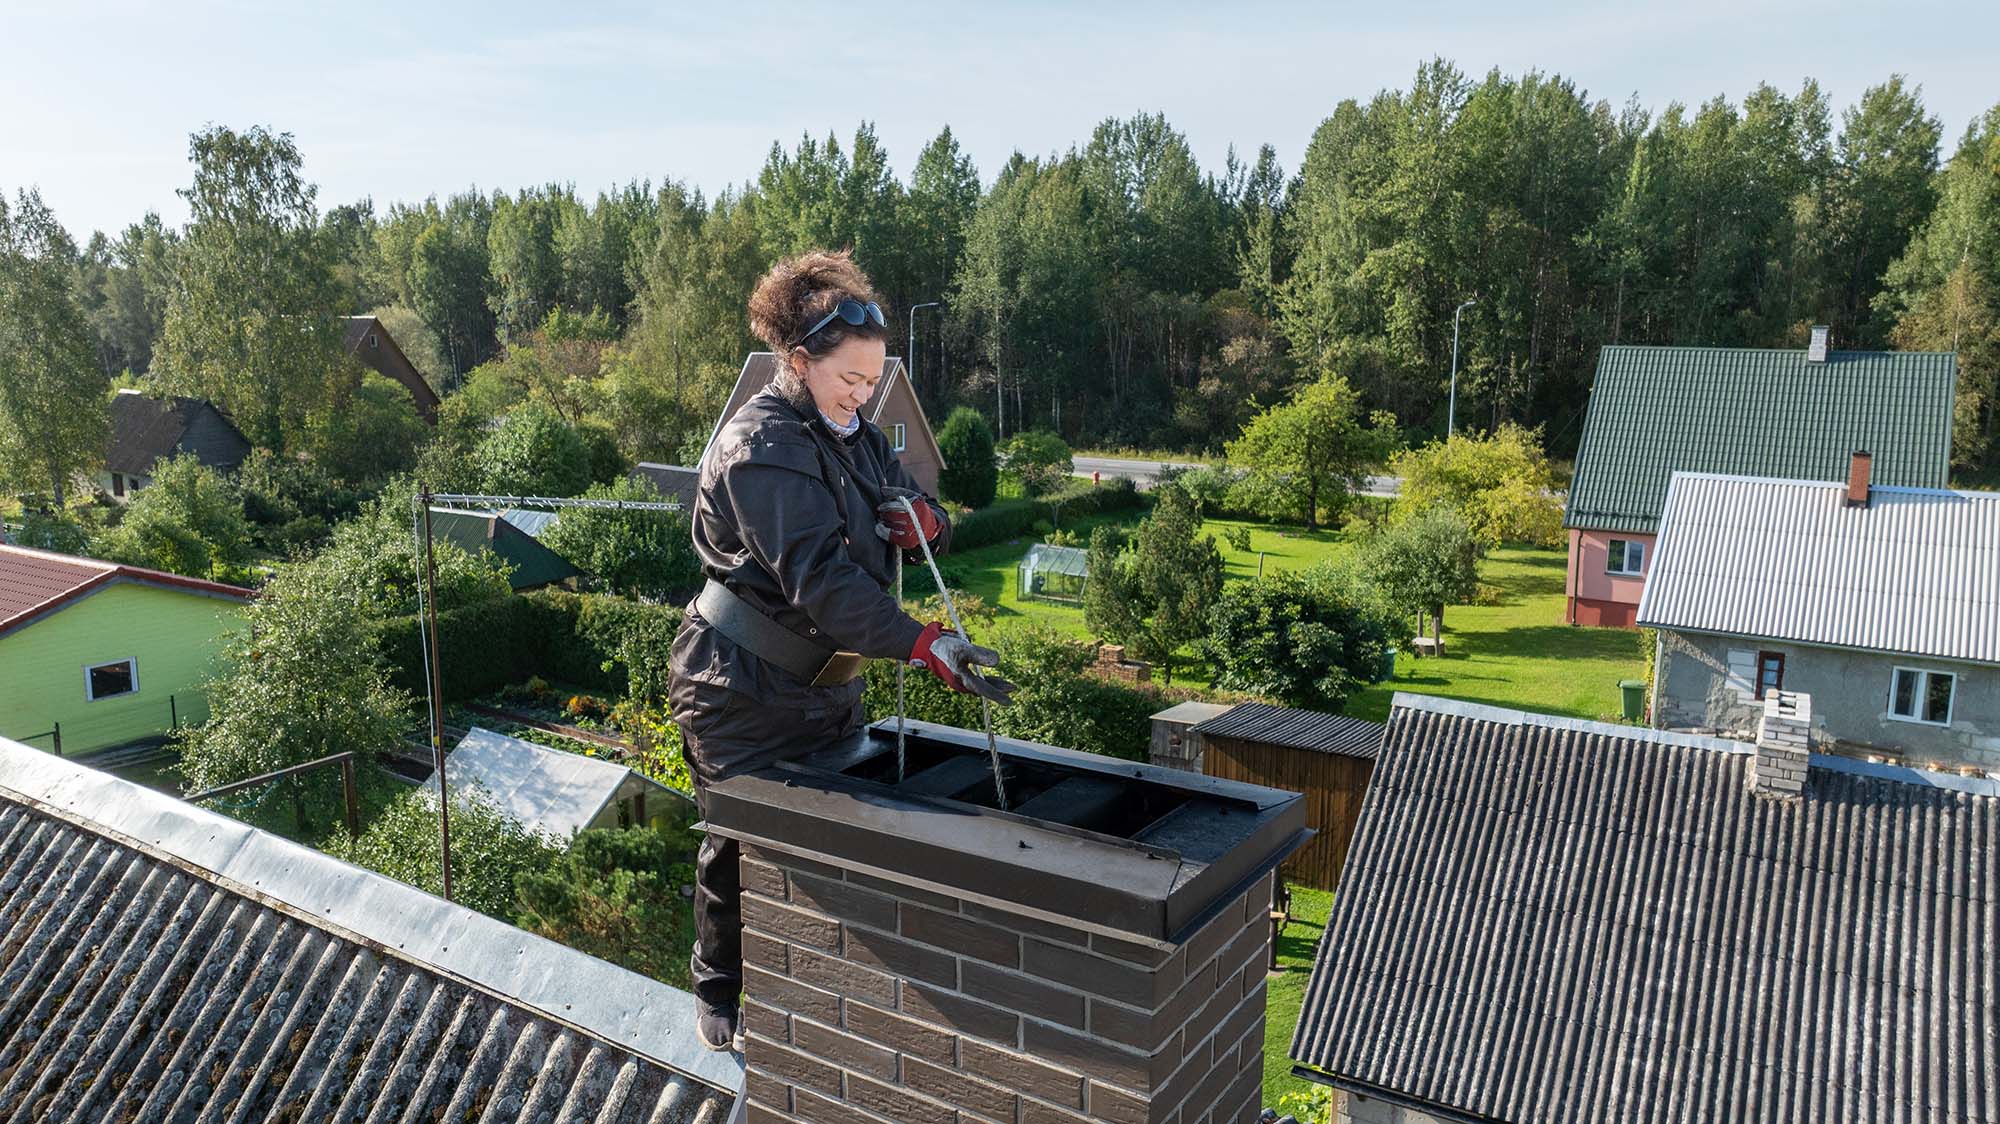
(1451,411)
(910,354)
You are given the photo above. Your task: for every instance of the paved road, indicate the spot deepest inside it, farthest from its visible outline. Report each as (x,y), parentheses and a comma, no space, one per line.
(1147,473)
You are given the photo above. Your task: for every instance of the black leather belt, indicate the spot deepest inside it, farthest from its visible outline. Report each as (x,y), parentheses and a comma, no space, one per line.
(772,642)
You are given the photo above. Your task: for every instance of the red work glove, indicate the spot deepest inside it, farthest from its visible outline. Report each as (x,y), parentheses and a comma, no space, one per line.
(896,524)
(952,657)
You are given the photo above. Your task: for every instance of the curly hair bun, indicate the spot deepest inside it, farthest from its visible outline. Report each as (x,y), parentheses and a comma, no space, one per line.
(800,290)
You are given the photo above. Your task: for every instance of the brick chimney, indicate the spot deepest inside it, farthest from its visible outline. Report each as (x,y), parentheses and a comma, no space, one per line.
(1784,739)
(1820,343)
(1859,466)
(913,954)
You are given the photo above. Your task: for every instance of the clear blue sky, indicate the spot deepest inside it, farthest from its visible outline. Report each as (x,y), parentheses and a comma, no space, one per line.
(399,101)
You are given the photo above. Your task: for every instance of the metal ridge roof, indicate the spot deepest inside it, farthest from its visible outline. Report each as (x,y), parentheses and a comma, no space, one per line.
(1915,572)
(1769,412)
(1551,920)
(144,926)
(1295,728)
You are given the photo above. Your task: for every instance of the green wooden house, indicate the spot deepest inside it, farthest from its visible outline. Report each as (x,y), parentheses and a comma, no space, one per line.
(95,655)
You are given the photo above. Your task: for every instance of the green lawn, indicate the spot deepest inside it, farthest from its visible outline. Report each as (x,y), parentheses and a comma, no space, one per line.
(1288,990)
(1517,652)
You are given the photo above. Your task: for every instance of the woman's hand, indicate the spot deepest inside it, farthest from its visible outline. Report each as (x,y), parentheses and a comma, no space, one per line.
(897,525)
(952,658)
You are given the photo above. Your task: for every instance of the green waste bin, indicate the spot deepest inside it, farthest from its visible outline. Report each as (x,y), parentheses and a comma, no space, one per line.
(1634,692)
(1387,669)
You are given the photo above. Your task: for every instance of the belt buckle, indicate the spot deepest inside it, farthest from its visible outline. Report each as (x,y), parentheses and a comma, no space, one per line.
(840,667)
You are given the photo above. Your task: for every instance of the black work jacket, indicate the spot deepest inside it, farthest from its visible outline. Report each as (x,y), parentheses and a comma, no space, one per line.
(784,515)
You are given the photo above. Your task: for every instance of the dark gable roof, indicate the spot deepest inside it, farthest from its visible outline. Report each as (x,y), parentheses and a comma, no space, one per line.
(760,367)
(145,430)
(367,339)
(1544,919)
(159,958)
(1298,729)
(1753,412)
(676,483)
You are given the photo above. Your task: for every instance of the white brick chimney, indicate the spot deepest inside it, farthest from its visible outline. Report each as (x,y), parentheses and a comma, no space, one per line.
(1784,739)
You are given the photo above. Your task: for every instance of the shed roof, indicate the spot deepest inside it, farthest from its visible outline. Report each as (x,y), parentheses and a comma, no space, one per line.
(34,583)
(533,564)
(1655,411)
(145,430)
(1544,919)
(144,940)
(548,790)
(1916,571)
(1298,729)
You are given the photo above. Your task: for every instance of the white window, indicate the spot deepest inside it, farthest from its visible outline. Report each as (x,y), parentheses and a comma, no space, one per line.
(1627,556)
(109,680)
(898,436)
(1916,695)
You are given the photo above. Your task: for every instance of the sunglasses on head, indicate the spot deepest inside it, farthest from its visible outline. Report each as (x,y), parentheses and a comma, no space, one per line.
(851,312)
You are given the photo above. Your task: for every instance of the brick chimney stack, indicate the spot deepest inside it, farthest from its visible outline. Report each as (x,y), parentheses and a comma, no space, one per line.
(912,958)
(1784,740)
(1859,468)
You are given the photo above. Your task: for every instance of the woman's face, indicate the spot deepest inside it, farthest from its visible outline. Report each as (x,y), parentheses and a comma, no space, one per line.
(842,380)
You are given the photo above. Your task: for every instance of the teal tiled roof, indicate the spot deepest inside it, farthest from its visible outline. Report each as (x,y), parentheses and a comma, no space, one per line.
(1655,411)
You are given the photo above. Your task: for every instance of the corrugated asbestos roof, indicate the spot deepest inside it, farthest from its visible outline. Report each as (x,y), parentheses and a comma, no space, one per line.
(159,961)
(1916,571)
(1658,410)
(1299,729)
(1549,920)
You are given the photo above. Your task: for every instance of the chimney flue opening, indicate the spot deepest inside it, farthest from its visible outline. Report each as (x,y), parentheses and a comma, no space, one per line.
(1859,467)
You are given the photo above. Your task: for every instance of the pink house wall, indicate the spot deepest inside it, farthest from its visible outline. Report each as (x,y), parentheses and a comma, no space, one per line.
(1596,597)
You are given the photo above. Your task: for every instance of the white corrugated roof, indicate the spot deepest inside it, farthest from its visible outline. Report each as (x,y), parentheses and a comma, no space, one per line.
(1916,571)
(548,790)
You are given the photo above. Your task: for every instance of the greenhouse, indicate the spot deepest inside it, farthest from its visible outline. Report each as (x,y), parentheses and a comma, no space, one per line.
(1055,573)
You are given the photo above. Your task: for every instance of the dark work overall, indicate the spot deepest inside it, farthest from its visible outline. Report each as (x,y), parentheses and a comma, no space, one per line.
(784,523)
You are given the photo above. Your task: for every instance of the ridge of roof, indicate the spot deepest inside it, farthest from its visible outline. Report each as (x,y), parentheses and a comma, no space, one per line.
(1876,489)
(1506,716)
(618,1007)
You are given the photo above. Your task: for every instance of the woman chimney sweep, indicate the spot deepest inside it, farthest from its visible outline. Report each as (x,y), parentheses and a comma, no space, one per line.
(796,524)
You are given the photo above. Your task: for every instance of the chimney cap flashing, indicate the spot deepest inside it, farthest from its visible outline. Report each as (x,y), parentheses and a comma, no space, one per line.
(1163,860)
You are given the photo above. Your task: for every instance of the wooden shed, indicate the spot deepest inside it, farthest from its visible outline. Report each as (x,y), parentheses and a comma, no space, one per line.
(1328,758)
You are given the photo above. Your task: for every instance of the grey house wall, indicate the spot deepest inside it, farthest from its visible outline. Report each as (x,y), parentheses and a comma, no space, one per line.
(1850,693)
(1352,1108)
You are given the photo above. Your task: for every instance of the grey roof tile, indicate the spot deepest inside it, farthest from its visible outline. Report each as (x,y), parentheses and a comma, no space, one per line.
(1550,920)
(139,981)
(1295,728)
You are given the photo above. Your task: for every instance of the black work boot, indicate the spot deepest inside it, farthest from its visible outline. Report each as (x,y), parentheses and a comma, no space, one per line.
(720,1027)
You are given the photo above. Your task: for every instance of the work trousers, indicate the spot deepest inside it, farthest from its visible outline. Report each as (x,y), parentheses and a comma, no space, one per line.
(724,733)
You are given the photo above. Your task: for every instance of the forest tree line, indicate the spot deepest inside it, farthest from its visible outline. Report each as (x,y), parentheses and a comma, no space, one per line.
(1117,293)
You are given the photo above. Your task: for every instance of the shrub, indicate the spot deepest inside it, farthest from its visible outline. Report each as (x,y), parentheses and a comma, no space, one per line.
(970,473)
(1013,519)
(1501,483)
(489,850)
(606,643)
(534,452)
(615,894)
(1301,641)
(1038,459)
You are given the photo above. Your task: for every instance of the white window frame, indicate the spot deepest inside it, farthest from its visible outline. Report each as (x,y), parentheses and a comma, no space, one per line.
(91,696)
(1625,558)
(899,436)
(1923,675)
